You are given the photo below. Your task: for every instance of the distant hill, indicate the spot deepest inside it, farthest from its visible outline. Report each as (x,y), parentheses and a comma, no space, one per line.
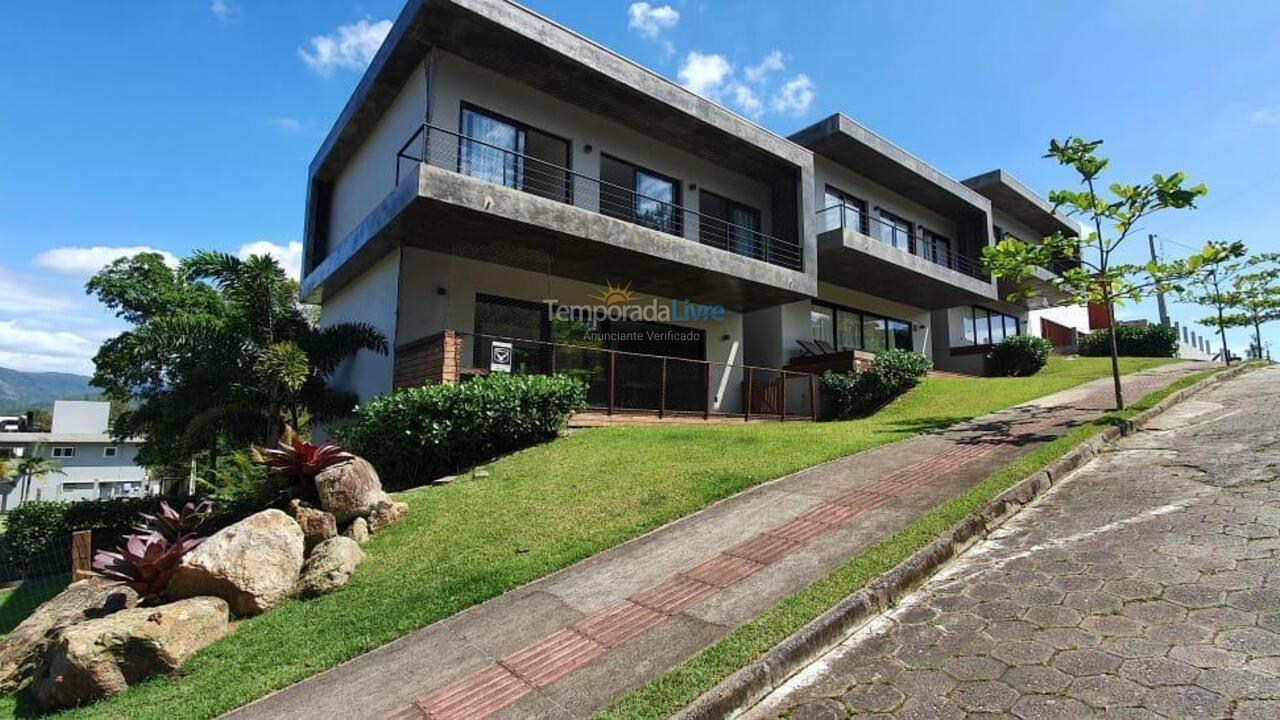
(27,390)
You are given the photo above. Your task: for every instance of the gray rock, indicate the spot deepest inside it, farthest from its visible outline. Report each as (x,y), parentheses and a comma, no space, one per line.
(102,657)
(253,564)
(317,525)
(386,513)
(22,649)
(349,489)
(358,530)
(330,566)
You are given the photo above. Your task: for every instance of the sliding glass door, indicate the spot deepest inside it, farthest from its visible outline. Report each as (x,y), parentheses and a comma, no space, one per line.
(629,192)
(508,153)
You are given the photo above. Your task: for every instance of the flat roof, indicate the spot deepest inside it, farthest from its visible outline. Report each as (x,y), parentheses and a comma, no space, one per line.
(549,57)
(876,158)
(50,437)
(1011,196)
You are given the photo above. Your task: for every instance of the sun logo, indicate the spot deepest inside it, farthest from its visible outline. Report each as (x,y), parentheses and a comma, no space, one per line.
(615,294)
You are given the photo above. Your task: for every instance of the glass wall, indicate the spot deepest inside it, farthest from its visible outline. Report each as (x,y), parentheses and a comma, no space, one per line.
(849,329)
(987,327)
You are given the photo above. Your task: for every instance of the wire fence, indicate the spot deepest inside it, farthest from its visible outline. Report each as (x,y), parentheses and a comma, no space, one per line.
(28,578)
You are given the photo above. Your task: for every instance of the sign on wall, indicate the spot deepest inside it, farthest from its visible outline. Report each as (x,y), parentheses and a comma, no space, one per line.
(500,355)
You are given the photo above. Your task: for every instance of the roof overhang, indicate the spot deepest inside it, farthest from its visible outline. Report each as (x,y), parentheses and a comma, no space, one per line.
(1010,196)
(844,141)
(853,260)
(549,57)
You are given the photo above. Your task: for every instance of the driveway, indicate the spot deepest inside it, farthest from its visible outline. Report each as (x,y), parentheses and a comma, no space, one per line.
(1146,585)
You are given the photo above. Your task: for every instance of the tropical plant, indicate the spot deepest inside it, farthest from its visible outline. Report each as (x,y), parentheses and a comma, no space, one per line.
(172,524)
(35,467)
(301,462)
(220,355)
(1020,355)
(145,563)
(1097,277)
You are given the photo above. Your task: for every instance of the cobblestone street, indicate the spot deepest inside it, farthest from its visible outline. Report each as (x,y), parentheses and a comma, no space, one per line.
(1147,585)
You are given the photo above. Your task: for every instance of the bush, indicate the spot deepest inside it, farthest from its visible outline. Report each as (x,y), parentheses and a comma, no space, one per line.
(1020,355)
(417,434)
(1132,341)
(893,373)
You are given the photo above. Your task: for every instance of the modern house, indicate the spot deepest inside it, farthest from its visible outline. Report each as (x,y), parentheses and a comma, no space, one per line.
(94,466)
(503,194)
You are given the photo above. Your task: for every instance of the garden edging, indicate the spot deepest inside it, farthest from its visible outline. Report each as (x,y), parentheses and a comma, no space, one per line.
(750,684)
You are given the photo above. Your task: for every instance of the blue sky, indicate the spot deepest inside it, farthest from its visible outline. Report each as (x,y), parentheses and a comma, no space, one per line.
(189,124)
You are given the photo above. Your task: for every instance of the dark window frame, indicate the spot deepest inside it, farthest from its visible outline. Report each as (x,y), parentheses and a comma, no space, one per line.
(971,317)
(836,309)
(889,218)
(522,154)
(677,195)
(730,203)
(857,204)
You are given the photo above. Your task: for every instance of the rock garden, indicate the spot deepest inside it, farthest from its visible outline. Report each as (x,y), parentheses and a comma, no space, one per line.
(166,591)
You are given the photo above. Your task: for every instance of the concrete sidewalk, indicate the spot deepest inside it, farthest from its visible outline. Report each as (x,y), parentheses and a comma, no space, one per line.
(568,644)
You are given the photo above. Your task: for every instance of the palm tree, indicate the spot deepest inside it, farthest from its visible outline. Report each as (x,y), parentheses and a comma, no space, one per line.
(34,467)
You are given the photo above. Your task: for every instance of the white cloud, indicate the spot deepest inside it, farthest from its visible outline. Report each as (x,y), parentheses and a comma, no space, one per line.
(705,74)
(1265,117)
(746,99)
(24,348)
(795,96)
(649,21)
(288,124)
(89,260)
(351,47)
(770,64)
(289,256)
(224,11)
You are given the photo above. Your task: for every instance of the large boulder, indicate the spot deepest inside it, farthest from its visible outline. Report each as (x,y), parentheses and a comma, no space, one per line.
(102,657)
(21,650)
(330,566)
(349,489)
(317,525)
(386,513)
(253,564)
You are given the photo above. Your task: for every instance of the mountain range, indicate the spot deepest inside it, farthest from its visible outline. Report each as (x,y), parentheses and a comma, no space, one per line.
(21,391)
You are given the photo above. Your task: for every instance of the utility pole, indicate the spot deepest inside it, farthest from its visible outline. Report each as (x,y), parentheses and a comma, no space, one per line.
(1164,311)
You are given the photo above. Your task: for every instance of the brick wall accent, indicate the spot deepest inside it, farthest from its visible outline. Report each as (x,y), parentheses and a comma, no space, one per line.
(428,361)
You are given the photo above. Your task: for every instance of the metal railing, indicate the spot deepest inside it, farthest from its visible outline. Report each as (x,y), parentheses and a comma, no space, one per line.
(483,160)
(619,381)
(919,244)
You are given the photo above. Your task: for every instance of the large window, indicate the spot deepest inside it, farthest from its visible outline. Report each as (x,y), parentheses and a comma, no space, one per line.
(988,327)
(729,225)
(852,212)
(505,152)
(629,192)
(894,230)
(935,248)
(848,329)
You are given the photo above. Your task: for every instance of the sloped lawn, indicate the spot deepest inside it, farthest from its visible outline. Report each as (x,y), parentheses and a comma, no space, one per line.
(538,511)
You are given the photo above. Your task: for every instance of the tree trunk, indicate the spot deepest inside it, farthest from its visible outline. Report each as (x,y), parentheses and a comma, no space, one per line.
(1222,331)
(1257,336)
(1115,352)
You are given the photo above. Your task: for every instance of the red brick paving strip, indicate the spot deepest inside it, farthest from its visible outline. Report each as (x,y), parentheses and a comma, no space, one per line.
(498,686)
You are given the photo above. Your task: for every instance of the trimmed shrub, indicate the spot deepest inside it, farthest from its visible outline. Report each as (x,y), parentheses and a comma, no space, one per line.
(893,373)
(417,434)
(1020,355)
(1132,341)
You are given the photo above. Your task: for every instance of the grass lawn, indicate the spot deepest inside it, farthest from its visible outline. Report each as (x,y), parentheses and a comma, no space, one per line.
(685,682)
(541,510)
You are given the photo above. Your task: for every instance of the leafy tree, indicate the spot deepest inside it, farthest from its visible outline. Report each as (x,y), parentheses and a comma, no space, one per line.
(1212,284)
(34,467)
(1097,277)
(1255,297)
(220,354)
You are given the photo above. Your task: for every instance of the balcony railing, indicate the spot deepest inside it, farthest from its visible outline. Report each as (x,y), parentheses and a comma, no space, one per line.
(485,161)
(918,244)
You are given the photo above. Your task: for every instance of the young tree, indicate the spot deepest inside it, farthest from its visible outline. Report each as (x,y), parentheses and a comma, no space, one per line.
(1255,297)
(1112,217)
(34,467)
(1212,284)
(220,353)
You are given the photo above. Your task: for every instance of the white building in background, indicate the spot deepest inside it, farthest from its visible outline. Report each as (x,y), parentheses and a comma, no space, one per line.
(93,465)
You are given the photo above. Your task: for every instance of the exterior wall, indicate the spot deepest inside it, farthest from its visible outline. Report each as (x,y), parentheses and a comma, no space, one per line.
(370,298)
(921,322)
(1013,227)
(826,172)
(425,312)
(87,476)
(949,334)
(1072,316)
(455,81)
(371,172)
(80,416)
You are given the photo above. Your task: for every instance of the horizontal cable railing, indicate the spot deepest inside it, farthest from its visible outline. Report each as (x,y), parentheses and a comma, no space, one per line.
(485,161)
(918,244)
(619,381)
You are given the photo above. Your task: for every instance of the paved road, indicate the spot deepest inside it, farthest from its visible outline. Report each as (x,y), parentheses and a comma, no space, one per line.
(1147,585)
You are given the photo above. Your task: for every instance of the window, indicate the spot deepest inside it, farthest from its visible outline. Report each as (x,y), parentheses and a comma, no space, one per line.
(899,335)
(6,453)
(506,318)
(729,225)
(852,215)
(109,452)
(508,153)
(822,323)
(70,487)
(873,337)
(63,452)
(894,230)
(849,329)
(629,192)
(935,248)
(987,327)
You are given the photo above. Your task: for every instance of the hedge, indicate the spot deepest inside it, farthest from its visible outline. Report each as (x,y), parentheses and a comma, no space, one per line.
(1020,355)
(415,435)
(1132,341)
(893,373)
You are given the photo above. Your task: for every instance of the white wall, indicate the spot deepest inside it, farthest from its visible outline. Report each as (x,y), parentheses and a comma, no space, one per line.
(424,311)
(87,476)
(371,172)
(1072,316)
(455,81)
(372,298)
(826,172)
(80,416)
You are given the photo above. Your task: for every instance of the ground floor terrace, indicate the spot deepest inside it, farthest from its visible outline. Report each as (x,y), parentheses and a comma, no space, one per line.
(454,318)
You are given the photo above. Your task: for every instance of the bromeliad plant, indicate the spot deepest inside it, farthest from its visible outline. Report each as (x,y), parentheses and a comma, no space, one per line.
(301,462)
(147,560)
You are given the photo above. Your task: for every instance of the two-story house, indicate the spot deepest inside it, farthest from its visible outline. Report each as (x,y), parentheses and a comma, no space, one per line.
(94,466)
(501,193)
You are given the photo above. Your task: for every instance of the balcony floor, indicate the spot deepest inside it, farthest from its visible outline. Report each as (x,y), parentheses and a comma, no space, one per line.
(856,261)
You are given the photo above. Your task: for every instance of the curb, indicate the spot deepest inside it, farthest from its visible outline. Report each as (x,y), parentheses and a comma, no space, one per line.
(749,685)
